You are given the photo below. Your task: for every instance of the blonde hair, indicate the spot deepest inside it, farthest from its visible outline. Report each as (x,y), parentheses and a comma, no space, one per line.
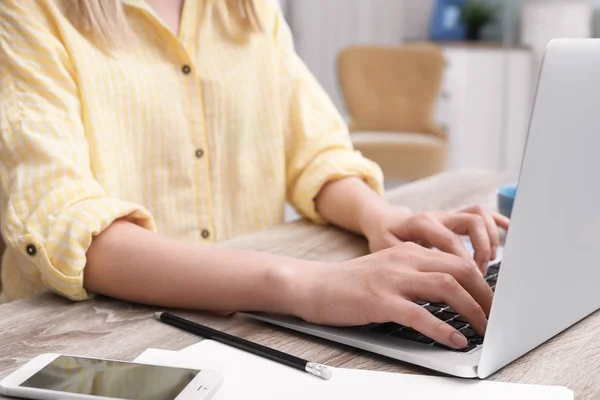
(104,21)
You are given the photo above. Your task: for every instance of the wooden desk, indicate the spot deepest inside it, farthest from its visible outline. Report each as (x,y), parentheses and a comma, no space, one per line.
(112,329)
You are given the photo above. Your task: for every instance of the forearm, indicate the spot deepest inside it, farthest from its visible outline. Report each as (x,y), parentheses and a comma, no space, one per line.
(350,204)
(130,263)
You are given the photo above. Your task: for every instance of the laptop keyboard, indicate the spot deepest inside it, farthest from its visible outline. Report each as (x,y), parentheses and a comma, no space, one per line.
(444,313)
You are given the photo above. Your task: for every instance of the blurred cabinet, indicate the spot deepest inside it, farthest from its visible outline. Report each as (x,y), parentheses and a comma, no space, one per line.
(485,104)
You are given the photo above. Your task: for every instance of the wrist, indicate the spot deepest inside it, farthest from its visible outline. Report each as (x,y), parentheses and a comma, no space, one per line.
(293,280)
(371,215)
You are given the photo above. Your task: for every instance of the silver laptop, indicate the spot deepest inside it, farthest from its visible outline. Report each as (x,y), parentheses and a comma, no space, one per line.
(550,275)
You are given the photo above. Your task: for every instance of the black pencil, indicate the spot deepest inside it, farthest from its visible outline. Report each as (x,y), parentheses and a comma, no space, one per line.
(254,348)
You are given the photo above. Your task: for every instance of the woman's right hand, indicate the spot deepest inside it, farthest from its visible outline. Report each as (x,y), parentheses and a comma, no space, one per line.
(382,286)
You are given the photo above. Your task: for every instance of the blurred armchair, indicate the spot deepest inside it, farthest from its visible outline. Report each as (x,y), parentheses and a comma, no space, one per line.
(390,94)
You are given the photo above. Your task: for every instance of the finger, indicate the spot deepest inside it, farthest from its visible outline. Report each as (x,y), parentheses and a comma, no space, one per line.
(501,221)
(493,233)
(475,227)
(419,319)
(441,287)
(465,272)
(492,229)
(430,229)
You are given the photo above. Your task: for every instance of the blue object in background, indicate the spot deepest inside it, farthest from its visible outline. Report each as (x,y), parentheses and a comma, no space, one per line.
(506,199)
(446,24)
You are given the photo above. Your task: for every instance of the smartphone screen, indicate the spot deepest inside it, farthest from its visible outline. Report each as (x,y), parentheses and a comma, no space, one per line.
(114,379)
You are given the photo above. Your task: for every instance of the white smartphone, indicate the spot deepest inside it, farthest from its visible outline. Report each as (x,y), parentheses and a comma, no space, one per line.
(57,376)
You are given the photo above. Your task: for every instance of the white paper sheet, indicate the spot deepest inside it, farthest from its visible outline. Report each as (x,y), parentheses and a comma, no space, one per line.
(247,376)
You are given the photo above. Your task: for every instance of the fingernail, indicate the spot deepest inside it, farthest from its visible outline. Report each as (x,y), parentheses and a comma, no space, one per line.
(459,340)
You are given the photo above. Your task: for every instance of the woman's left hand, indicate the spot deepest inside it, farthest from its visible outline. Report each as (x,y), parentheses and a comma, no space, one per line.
(439,229)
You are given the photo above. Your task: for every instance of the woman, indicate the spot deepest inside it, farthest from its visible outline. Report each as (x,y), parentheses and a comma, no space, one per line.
(196,119)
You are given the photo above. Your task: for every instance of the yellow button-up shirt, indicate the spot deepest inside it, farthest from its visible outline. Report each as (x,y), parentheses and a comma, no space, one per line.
(202,135)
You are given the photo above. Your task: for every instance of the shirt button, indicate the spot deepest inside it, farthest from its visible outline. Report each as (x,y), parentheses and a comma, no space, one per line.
(31,250)
(199,153)
(205,233)
(186,69)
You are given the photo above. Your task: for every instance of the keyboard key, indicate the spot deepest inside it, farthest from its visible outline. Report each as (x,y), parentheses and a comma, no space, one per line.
(441,305)
(476,340)
(456,324)
(387,328)
(420,302)
(468,333)
(432,309)
(450,310)
(465,350)
(444,316)
(425,340)
(460,318)
(494,268)
(468,348)
(412,335)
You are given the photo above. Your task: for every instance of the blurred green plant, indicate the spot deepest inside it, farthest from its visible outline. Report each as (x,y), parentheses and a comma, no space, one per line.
(476,14)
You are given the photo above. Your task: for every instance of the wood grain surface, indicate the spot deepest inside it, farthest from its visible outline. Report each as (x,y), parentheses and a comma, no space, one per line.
(106,328)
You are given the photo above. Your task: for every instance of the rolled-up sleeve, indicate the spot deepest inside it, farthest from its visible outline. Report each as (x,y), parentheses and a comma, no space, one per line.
(52,205)
(318,146)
